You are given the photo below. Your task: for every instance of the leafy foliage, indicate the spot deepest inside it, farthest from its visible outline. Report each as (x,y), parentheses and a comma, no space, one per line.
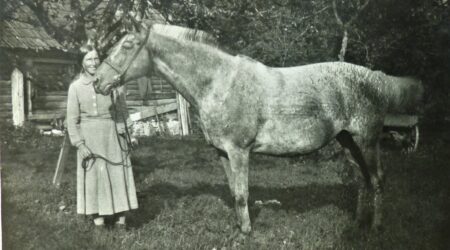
(402,38)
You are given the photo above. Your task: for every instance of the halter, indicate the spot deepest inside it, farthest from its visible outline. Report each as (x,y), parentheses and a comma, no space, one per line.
(121,72)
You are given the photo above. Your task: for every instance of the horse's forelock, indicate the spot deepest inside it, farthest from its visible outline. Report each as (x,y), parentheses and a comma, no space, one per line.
(182,33)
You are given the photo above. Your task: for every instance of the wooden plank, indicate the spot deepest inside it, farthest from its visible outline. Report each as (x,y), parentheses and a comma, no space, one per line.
(183,114)
(4,115)
(29,96)
(49,105)
(147,112)
(137,92)
(5,98)
(43,126)
(5,82)
(5,108)
(132,86)
(5,90)
(51,98)
(53,61)
(62,159)
(53,93)
(157,96)
(134,103)
(6,105)
(46,116)
(394,120)
(149,102)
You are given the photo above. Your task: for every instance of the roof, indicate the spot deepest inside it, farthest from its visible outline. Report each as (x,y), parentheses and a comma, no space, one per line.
(17,34)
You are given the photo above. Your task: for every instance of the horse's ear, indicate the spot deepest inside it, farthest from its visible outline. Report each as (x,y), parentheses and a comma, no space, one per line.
(136,24)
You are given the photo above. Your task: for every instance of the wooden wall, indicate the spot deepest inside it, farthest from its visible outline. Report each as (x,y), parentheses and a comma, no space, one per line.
(52,74)
(48,105)
(5,100)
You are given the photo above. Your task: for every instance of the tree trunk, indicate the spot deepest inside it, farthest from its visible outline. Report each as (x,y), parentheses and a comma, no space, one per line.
(343,46)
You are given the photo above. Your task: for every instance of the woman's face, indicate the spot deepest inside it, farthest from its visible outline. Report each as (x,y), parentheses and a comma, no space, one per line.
(91,62)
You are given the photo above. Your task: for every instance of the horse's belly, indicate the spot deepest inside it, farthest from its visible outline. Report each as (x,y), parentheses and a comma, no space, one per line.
(295,137)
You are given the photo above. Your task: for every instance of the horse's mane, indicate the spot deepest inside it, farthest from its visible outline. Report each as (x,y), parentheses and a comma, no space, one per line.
(182,33)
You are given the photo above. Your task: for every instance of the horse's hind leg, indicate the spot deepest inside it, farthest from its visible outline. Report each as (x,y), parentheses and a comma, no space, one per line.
(347,142)
(378,184)
(365,153)
(238,181)
(226,166)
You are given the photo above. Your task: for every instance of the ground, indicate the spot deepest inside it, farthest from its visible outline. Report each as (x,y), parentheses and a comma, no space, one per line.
(295,203)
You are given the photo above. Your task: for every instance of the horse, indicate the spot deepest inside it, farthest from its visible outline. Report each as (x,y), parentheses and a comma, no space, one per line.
(247,107)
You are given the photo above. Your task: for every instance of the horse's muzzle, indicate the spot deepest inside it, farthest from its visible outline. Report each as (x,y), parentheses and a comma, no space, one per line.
(96,87)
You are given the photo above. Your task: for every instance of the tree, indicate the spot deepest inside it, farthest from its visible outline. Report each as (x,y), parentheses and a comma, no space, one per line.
(407,37)
(346,25)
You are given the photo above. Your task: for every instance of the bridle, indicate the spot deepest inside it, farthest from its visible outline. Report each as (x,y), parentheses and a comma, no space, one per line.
(118,81)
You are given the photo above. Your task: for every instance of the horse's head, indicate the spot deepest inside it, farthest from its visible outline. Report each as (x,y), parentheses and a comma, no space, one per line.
(128,60)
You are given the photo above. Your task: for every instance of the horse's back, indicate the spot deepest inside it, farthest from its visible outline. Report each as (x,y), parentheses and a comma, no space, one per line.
(307,106)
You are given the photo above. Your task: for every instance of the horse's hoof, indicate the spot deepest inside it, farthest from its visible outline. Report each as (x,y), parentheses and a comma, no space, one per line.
(238,237)
(363,223)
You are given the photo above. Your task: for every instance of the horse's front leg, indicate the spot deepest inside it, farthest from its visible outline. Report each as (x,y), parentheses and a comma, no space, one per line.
(238,181)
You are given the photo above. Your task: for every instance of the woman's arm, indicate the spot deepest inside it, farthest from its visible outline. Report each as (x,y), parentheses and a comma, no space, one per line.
(73,117)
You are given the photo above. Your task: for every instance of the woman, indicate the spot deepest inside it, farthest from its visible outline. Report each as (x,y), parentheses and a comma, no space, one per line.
(94,125)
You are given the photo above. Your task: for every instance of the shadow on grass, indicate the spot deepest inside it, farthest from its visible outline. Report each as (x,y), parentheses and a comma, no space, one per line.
(300,199)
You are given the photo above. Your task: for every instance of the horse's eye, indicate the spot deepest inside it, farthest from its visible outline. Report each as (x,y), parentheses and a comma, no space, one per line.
(127,45)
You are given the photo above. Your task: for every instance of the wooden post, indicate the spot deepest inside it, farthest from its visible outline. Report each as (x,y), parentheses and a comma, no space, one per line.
(183,114)
(62,160)
(28,89)
(29,97)
(17,97)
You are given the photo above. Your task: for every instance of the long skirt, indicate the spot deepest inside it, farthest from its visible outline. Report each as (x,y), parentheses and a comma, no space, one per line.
(103,188)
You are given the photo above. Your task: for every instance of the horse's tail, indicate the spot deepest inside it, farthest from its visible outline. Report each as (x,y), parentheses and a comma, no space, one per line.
(404,95)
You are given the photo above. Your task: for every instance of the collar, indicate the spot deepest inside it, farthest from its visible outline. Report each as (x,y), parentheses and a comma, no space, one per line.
(86,79)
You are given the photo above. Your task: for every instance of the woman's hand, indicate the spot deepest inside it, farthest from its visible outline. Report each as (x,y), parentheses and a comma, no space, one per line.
(84,151)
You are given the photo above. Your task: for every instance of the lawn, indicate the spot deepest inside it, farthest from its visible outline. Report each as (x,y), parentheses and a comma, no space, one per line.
(295,203)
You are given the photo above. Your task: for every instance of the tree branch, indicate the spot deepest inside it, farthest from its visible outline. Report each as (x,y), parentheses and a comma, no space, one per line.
(336,14)
(91,7)
(42,14)
(353,18)
(360,9)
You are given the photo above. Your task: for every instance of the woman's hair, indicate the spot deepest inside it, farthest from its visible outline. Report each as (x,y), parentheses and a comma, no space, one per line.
(84,49)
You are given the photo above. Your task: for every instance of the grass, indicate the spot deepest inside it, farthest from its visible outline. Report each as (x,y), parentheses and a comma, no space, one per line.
(185,202)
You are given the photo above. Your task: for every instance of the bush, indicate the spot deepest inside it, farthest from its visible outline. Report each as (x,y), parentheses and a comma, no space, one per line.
(18,139)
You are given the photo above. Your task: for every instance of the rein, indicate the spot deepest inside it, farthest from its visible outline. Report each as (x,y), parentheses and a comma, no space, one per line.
(121,72)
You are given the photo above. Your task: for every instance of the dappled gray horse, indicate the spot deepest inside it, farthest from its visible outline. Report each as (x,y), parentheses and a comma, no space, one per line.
(245,106)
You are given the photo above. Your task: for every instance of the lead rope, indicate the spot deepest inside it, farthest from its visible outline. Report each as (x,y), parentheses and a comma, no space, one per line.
(123,163)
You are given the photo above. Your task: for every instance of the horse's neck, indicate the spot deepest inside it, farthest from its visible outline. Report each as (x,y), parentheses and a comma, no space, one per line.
(190,67)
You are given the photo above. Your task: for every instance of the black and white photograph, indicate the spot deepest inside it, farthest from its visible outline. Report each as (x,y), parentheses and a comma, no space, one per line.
(225,124)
